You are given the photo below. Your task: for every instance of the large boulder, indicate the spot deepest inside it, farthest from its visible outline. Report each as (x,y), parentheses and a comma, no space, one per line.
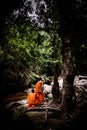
(80,83)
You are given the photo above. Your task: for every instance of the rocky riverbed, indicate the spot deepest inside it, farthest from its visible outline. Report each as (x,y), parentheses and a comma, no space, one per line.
(14,113)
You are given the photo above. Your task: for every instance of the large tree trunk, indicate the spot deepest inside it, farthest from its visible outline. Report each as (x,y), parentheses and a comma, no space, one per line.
(68,92)
(55,88)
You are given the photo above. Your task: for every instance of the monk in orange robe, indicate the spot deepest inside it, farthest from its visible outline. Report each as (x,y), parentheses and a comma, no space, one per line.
(36,97)
(39,91)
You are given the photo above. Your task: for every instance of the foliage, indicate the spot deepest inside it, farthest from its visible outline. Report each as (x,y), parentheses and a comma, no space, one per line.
(29,48)
(33,41)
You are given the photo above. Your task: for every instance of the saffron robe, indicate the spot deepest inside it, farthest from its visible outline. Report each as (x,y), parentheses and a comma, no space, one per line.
(38,96)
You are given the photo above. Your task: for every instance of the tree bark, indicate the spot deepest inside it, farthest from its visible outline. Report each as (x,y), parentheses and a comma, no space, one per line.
(68,92)
(55,88)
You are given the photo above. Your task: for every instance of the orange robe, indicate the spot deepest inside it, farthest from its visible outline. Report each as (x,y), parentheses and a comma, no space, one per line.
(38,96)
(32,100)
(39,91)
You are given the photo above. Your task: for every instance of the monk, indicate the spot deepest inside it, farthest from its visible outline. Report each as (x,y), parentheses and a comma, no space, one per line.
(39,86)
(36,97)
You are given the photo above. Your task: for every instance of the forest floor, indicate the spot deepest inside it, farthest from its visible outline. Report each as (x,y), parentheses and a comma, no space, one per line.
(47,116)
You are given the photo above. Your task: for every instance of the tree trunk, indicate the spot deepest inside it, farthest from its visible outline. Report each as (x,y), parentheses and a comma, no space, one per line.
(68,92)
(55,88)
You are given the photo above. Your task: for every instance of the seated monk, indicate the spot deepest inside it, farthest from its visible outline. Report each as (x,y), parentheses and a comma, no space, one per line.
(39,91)
(36,97)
